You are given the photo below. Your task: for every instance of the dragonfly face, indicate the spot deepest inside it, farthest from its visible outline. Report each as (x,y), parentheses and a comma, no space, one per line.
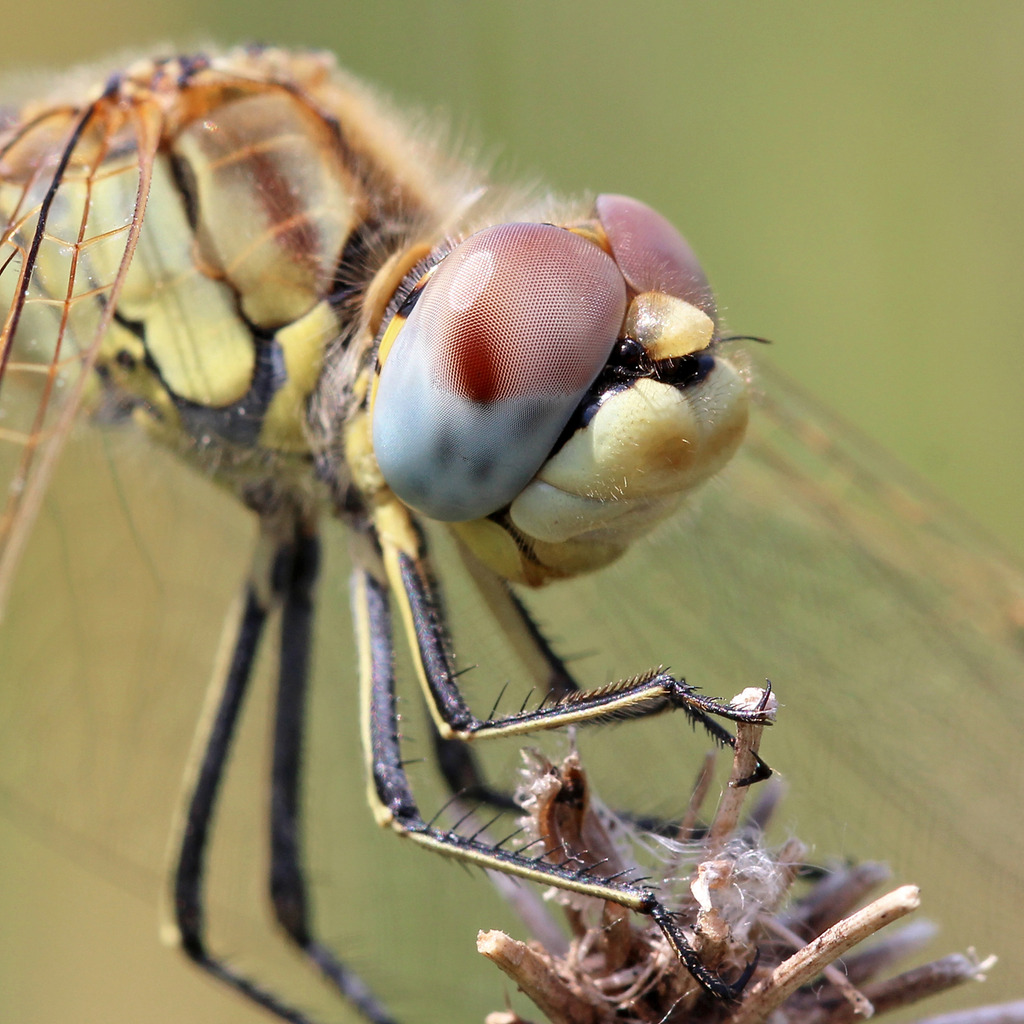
(549,407)
(247,259)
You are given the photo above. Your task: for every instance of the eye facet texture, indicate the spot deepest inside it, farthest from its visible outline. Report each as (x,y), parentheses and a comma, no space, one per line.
(507,336)
(651,254)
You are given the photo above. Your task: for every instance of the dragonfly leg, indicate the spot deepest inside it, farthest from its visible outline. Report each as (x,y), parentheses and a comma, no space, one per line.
(288,887)
(463,775)
(454,758)
(412,582)
(395,805)
(284,577)
(549,671)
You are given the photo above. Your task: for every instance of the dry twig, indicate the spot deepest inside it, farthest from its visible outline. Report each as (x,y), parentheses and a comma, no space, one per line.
(734,902)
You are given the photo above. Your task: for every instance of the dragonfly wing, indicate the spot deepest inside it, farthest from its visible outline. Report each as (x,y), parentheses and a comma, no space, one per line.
(73,189)
(892,632)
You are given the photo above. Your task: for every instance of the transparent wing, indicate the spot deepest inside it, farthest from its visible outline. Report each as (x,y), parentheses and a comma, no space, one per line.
(890,629)
(892,632)
(73,188)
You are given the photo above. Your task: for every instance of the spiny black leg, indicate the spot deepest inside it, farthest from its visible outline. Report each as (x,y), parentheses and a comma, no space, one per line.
(288,889)
(648,694)
(455,760)
(559,681)
(291,583)
(396,804)
(188,876)
(188,872)
(547,669)
(463,775)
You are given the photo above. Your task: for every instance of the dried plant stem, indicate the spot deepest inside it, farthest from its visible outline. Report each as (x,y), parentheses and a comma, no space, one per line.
(534,975)
(738,903)
(809,962)
(748,741)
(928,980)
(691,819)
(860,1005)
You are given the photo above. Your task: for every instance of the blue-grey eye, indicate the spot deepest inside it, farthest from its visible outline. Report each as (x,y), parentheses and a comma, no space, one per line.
(508,334)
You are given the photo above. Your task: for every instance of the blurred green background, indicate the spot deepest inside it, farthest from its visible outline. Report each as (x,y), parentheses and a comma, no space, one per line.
(850,175)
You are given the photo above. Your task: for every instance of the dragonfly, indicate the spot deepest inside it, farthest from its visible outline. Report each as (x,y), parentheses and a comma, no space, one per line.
(249,262)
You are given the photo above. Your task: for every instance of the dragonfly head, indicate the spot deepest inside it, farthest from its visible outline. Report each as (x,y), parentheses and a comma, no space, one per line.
(555,392)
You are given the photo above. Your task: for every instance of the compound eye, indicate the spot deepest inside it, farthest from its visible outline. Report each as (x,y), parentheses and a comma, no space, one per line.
(505,339)
(650,252)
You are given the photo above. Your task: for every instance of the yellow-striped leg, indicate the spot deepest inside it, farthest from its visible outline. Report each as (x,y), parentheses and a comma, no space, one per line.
(391,795)
(411,579)
(283,579)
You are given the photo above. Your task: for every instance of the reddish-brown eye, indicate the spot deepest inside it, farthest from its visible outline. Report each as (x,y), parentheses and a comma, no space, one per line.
(505,339)
(650,252)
